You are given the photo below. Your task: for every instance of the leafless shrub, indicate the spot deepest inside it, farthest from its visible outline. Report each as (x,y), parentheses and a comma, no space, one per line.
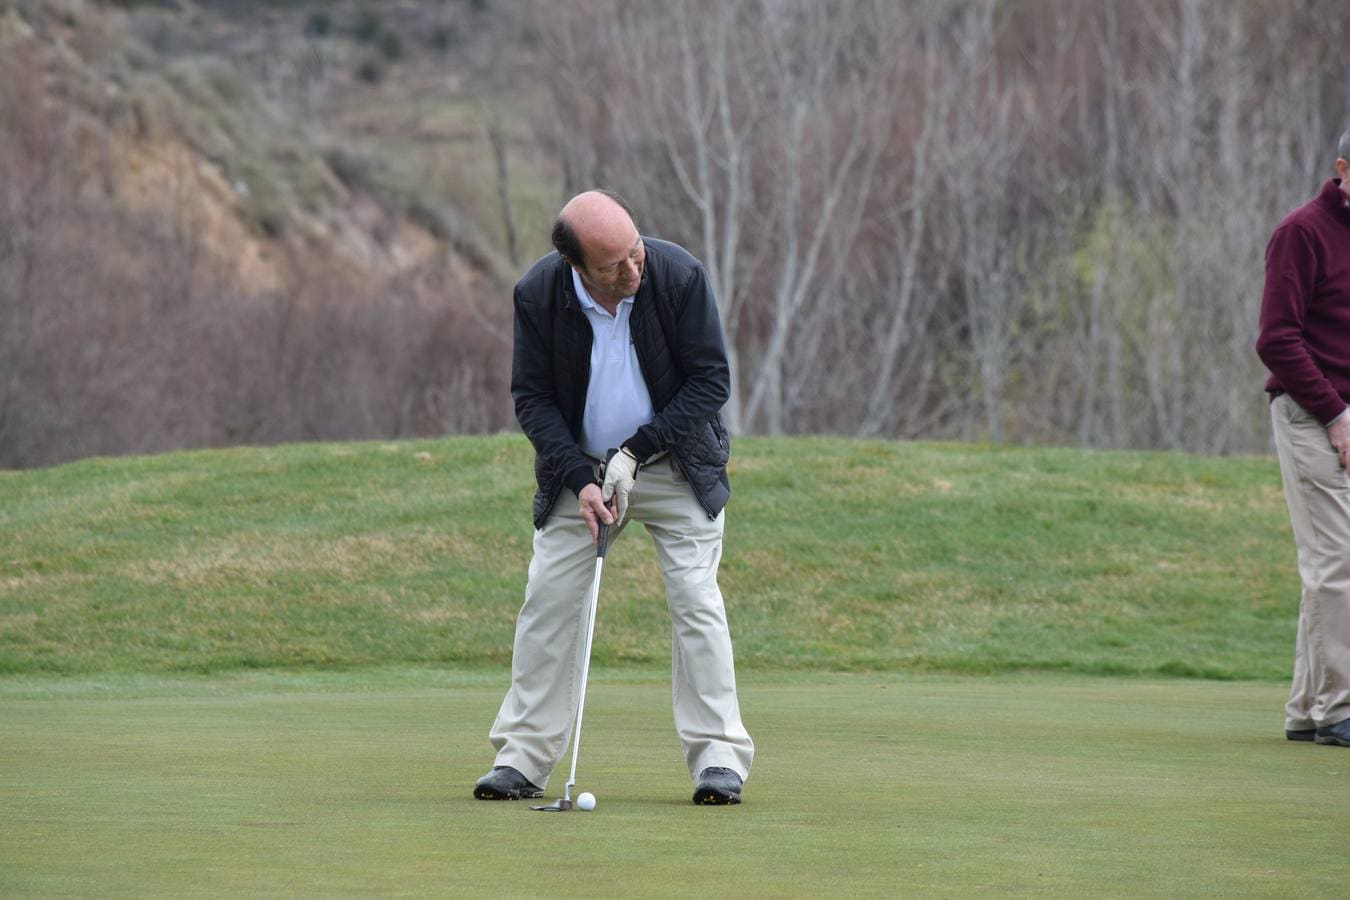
(1039,221)
(122,331)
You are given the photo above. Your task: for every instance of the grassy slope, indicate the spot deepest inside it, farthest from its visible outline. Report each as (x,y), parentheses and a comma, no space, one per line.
(840,555)
(357,784)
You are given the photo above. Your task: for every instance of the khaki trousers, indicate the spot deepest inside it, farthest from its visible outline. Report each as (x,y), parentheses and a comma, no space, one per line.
(1317,491)
(537,716)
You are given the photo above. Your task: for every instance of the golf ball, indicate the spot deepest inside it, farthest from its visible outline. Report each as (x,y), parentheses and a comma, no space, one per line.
(586,801)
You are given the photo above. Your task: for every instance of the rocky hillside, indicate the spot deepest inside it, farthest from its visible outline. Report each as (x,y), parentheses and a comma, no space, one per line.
(356,131)
(251,222)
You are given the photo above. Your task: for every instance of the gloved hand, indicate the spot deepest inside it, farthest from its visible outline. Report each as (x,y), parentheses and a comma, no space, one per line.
(620,474)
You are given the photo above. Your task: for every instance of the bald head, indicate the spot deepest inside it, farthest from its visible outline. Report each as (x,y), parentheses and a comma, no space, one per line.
(595,233)
(593,221)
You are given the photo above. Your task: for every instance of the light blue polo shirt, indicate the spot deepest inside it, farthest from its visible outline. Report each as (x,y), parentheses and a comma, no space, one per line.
(617,401)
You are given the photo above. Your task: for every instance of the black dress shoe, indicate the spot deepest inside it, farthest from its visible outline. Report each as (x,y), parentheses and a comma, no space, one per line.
(505,783)
(1301,734)
(1337,735)
(717,787)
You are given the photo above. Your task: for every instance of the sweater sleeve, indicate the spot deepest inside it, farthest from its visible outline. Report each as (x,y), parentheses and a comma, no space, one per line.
(1291,271)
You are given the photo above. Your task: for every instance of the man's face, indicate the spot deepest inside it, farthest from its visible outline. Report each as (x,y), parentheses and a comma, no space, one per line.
(613,269)
(1343,173)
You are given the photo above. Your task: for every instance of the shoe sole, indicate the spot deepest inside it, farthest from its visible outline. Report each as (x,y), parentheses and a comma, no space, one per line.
(713,797)
(487,793)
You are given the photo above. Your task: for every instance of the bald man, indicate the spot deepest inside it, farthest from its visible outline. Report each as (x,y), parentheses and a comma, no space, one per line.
(618,345)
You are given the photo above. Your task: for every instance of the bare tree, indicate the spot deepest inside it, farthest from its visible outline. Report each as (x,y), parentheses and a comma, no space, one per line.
(906,299)
(1039,221)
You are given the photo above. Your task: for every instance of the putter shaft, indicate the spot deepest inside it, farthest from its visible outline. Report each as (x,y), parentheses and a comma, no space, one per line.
(564,803)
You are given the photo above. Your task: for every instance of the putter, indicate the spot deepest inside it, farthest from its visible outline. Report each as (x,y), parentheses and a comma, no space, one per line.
(564,803)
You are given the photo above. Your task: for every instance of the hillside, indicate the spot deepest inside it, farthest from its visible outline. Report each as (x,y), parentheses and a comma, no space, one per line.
(232,222)
(841,555)
(312,125)
(252,223)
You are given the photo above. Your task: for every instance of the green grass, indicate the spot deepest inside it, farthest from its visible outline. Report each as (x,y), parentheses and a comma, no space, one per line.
(840,555)
(357,784)
(271,672)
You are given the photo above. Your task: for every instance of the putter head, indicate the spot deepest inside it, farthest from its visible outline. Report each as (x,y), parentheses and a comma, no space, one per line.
(562,804)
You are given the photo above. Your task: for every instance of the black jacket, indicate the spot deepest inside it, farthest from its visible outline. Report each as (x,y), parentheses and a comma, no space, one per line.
(678,338)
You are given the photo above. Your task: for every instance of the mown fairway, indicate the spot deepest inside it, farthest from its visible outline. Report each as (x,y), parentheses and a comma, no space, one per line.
(271,672)
(840,555)
(873,786)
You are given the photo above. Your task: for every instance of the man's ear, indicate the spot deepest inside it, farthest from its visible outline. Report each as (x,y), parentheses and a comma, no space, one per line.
(1342,168)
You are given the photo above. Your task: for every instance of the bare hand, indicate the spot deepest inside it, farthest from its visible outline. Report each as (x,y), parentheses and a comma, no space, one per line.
(594,511)
(1339,432)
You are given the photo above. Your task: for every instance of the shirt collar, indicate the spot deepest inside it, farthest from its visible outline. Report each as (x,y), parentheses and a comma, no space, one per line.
(584,296)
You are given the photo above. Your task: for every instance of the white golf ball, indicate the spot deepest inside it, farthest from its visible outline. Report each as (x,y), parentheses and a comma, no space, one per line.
(586,801)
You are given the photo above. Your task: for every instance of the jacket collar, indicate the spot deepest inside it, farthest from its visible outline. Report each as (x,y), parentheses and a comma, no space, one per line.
(1334,200)
(569,292)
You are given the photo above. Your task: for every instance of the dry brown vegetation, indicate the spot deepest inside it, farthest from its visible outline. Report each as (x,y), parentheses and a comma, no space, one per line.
(147,302)
(1033,221)
(1038,221)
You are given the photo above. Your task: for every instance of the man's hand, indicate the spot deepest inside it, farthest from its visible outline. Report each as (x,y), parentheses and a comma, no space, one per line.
(1339,432)
(594,511)
(620,473)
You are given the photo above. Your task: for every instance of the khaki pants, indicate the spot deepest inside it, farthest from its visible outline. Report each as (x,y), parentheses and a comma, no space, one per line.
(538,714)
(1318,494)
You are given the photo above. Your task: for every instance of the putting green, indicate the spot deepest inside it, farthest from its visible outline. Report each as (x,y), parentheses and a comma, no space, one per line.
(358,784)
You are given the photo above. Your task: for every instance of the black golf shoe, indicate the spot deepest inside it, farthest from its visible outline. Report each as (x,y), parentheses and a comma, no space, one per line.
(1337,735)
(1300,734)
(717,787)
(505,783)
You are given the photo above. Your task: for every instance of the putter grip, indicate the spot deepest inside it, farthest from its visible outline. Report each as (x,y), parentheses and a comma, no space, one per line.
(601,544)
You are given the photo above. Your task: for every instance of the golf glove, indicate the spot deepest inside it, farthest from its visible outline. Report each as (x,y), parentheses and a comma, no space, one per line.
(620,473)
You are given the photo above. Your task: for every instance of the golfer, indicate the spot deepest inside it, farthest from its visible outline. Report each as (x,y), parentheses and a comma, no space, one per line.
(1305,342)
(618,345)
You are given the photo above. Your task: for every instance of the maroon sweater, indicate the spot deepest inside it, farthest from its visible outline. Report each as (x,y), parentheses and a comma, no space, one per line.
(1305,307)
